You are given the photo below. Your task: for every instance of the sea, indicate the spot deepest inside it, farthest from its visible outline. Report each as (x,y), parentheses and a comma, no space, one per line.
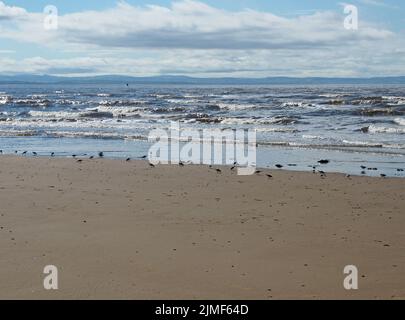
(356,127)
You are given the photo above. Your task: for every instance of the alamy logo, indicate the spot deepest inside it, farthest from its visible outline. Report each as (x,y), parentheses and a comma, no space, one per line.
(351,281)
(351,22)
(51,279)
(204,146)
(51,18)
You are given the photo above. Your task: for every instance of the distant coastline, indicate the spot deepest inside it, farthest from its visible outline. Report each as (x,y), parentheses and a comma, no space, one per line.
(185,80)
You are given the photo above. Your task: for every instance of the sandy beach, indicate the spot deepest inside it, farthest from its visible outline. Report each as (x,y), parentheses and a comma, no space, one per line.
(123,230)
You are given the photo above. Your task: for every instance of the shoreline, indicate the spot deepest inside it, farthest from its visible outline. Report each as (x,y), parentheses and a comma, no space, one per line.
(119,230)
(295,159)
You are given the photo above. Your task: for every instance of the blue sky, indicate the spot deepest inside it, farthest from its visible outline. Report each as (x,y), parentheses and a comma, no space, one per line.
(203,38)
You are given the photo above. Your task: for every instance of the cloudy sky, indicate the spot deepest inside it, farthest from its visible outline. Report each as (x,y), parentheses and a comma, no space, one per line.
(207,38)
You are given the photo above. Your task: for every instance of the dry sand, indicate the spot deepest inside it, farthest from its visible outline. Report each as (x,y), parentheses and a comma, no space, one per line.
(124,230)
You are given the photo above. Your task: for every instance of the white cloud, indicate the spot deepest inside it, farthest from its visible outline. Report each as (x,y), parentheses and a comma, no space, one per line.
(192,37)
(378,3)
(194,25)
(10,12)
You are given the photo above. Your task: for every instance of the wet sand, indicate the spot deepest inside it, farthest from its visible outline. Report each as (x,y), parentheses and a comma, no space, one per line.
(123,230)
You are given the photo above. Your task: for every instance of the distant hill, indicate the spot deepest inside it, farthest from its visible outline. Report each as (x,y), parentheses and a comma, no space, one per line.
(28,78)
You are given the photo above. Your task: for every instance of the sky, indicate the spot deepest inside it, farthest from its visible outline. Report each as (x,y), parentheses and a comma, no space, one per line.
(206,38)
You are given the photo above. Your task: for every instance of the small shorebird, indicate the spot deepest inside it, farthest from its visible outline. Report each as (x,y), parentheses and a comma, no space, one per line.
(218,170)
(101,154)
(269,176)
(279,166)
(52,154)
(323,161)
(34,153)
(151,165)
(128,159)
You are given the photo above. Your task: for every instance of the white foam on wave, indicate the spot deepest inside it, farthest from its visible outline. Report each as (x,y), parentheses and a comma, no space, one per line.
(280,130)
(262,121)
(121,103)
(88,124)
(234,106)
(400,121)
(333,95)
(375,129)
(394,98)
(363,143)
(32,102)
(119,111)
(98,135)
(99,112)
(4,99)
(58,115)
(295,104)
(18,133)
(182,101)
(313,137)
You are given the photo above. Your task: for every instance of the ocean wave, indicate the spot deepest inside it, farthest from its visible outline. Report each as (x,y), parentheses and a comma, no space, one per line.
(167,110)
(94,135)
(166,96)
(236,106)
(67,102)
(333,95)
(336,102)
(376,129)
(400,121)
(121,103)
(368,100)
(313,137)
(182,101)
(32,102)
(4,99)
(75,124)
(57,115)
(18,133)
(297,104)
(279,130)
(65,115)
(343,145)
(363,144)
(119,112)
(377,112)
(261,121)
(395,99)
